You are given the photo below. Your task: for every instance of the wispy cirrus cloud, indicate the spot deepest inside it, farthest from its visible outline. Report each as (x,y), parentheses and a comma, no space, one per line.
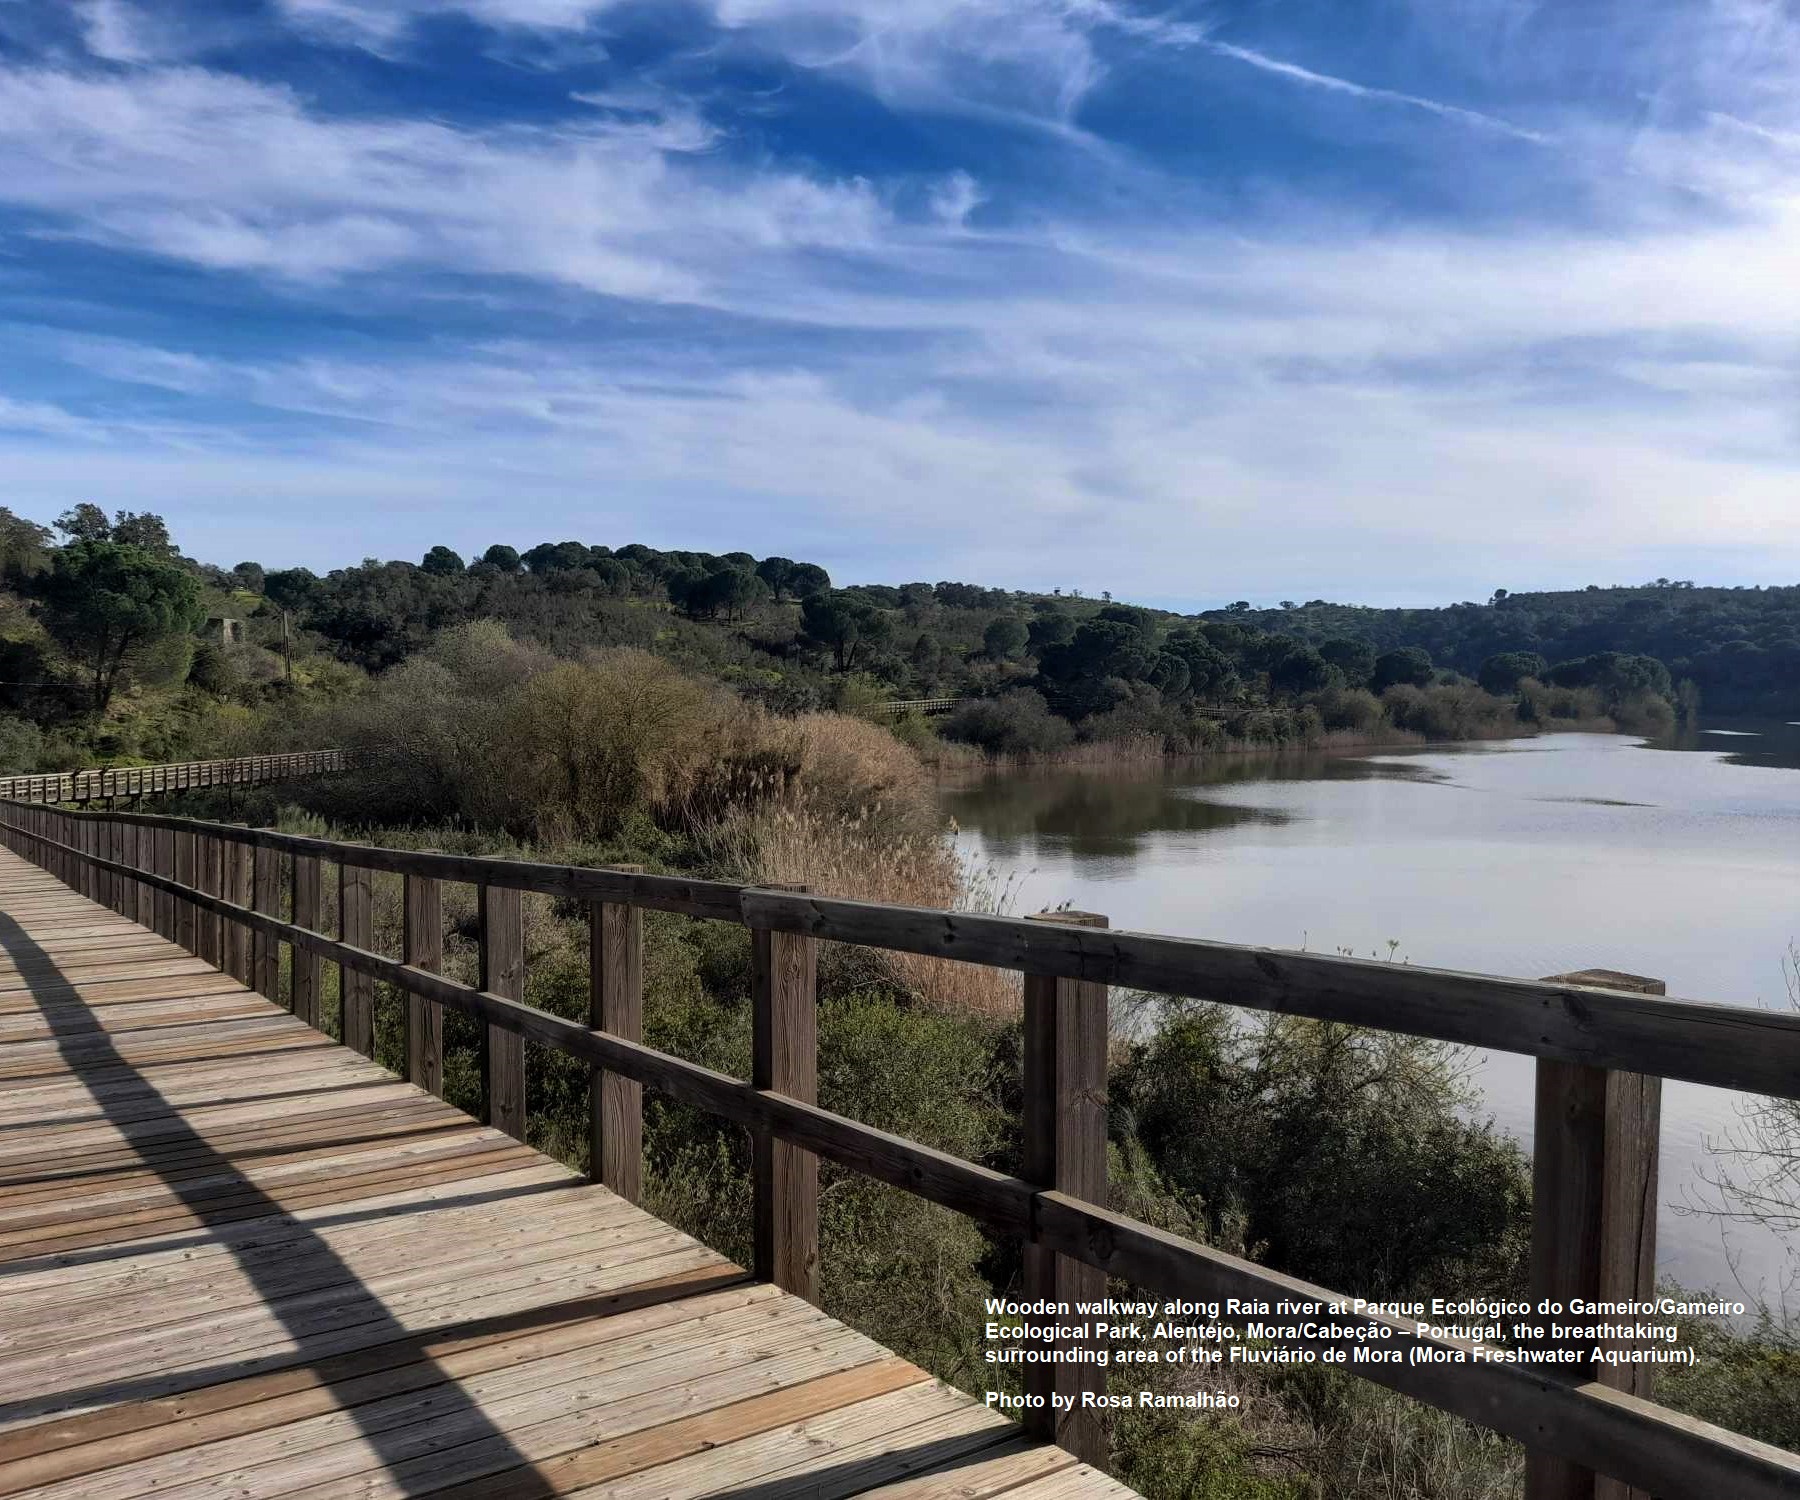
(1344,86)
(230,174)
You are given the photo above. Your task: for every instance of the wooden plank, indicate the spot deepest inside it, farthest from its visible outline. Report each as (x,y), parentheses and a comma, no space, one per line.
(187,915)
(785,1060)
(234,936)
(1593,1215)
(503,973)
(616,1005)
(210,877)
(119,1435)
(308,914)
(424,949)
(1064,1147)
(165,870)
(265,956)
(356,926)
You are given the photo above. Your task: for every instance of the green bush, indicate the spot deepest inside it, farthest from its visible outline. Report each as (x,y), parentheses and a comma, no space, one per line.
(1311,1142)
(1016,723)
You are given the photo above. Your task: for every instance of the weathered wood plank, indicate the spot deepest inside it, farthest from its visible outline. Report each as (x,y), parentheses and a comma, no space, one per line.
(503,973)
(616,1005)
(1064,1129)
(309,906)
(356,987)
(423,948)
(785,1061)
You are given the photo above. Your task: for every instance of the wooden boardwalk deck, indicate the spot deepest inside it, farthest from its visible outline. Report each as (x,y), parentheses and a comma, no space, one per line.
(239,1260)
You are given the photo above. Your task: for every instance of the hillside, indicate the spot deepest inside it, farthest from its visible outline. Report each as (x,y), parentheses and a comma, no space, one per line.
(1739,646)
(218,650)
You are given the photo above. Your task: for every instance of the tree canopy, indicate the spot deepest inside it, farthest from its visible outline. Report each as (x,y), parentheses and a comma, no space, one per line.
(106,603)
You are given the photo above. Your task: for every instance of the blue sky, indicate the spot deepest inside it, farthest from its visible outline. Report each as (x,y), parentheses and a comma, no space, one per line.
(1384,300)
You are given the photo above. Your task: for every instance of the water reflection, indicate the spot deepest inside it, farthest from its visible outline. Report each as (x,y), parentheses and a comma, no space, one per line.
(1525,857)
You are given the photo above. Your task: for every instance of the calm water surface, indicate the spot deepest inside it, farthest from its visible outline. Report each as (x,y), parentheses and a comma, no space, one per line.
(1529,857)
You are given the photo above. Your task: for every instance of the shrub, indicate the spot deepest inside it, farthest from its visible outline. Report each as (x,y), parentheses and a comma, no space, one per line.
(1561,707)
(21,744)
(1316,1140)
(1448,711)
(1348,708)
(1015,723)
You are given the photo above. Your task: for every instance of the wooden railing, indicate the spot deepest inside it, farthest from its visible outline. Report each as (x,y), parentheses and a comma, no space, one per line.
(218,890)
(899,707)
(175,776)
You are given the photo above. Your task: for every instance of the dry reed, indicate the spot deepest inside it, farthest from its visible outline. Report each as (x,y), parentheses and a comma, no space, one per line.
(862,857)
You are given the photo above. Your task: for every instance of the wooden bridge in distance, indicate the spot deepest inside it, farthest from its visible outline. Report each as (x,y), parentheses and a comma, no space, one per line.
(237,1258)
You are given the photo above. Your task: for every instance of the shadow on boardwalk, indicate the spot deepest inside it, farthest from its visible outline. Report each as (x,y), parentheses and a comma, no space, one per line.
(210,1186)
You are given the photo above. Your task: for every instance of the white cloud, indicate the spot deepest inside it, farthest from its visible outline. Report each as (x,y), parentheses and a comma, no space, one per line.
(231,174)
(1332,84)
(380,24)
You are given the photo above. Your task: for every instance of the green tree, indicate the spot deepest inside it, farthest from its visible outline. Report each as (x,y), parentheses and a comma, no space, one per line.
(808,579)
(705,596)
(249,575)
(847,625)
(1049,629)
(85,523)
(1501,673)
(24,546)
(442,562)
(1410,665)
(143,529)
(502,557)
(109,604)
(291,588)
(776,571)
(1004,637)
(1299,670)
(1355,660)
(552,557)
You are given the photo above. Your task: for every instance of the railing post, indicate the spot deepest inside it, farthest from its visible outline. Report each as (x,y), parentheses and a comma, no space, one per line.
(209,859)
(616,1005)
(423,948)
(186,913)
(163,855)
(124,845)
(102,848)
(503,973)
(308,903)
(265,948)
(1064,1119)
(240,890)
(1593,1227)
(785,1060)
(356,926)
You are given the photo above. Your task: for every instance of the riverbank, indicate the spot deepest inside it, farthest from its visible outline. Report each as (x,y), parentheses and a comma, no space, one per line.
(950,758)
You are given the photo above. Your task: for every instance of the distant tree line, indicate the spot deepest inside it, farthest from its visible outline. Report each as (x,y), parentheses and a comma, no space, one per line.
(1740,647)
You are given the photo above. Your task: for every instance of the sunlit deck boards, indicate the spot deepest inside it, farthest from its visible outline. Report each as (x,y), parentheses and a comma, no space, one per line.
(239,1260)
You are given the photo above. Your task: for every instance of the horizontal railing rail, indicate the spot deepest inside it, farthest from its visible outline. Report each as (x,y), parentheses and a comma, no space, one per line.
(211,886)
(111,782)
(896,707)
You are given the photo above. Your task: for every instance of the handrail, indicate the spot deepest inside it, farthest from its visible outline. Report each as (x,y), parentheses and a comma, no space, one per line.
(1697,1041)
(121,859)
(170,776)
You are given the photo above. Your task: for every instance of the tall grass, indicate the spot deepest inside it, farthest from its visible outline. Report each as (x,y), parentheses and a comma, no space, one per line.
(800,839)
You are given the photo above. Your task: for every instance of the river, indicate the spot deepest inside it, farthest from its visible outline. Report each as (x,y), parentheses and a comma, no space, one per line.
(1677,859)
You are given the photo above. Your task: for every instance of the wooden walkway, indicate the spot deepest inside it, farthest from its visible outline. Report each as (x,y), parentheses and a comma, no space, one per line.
(239,1260)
